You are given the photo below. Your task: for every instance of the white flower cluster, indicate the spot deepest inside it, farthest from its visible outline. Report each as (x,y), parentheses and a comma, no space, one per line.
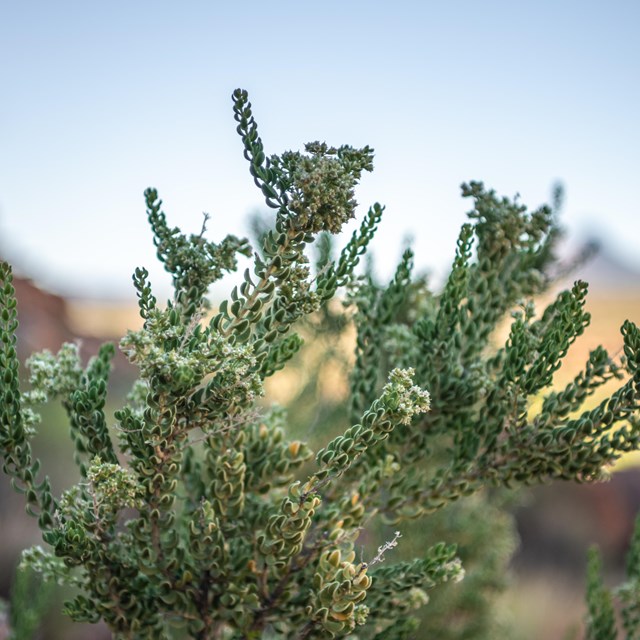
(51,375)
(403,398)
(455,570)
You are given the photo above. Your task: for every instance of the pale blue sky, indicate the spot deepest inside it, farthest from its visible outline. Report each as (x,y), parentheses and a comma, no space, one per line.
(100,100)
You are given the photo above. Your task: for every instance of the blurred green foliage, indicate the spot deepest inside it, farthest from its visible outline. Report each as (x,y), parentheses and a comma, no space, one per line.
(30,600)
(602,621)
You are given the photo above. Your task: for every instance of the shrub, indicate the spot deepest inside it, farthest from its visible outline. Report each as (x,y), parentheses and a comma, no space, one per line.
(601,618)
(199,514)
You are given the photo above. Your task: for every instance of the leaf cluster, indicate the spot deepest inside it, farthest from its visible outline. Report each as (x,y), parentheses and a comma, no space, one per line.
(602,602)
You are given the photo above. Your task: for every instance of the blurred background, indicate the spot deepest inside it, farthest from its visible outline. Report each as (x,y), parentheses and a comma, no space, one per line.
(101,101)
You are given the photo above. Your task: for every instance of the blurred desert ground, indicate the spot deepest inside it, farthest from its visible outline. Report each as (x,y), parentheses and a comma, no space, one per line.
(556,524)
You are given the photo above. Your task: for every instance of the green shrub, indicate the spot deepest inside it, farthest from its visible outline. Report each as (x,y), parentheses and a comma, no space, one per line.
(601,618)
(195,514)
